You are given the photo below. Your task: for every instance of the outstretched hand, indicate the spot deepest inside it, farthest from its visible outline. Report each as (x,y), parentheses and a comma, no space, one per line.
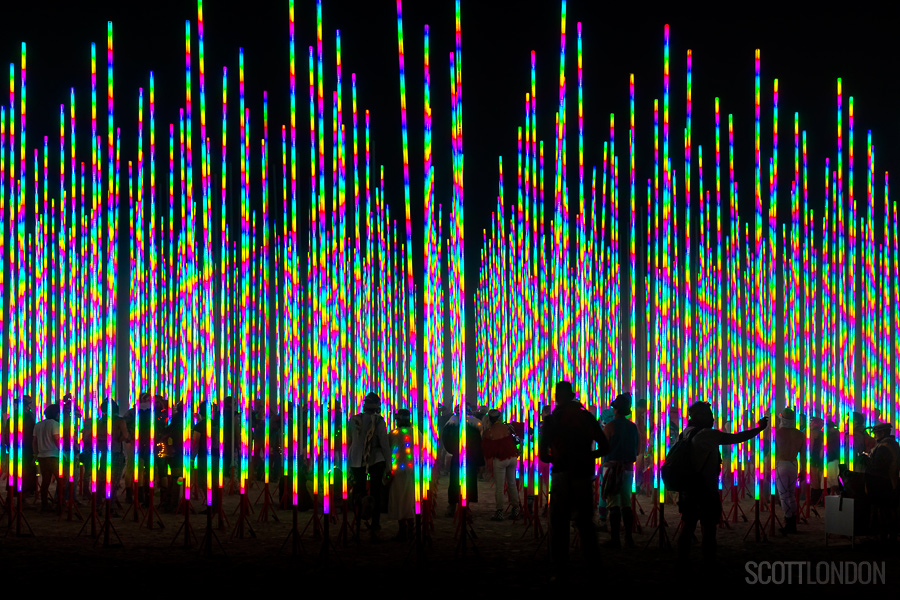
(763,423)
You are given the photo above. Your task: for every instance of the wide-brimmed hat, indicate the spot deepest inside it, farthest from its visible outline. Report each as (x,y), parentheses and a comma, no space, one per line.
(564,391)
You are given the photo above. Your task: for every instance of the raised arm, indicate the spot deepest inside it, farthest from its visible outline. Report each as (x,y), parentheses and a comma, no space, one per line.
(726,438)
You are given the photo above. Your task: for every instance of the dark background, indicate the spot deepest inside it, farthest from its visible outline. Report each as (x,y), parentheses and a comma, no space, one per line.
(805,51)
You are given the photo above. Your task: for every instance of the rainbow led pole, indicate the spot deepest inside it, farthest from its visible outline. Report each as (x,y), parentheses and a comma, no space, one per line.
(431,246)
(293,326)
(242,325)
(5,401)
(225,384)
(339,292)
(265,270)
(111,226)
(459,250)
(11,337)
(409,274)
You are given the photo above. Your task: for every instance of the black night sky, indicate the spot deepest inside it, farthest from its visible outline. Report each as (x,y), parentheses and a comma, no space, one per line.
(806,53)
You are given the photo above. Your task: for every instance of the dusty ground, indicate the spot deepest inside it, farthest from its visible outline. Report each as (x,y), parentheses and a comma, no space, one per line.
(503,553)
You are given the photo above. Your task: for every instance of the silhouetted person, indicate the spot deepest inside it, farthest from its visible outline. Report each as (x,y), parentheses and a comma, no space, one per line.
(369,450)
(623,443)
(703,503)
(567,441)
(883,479)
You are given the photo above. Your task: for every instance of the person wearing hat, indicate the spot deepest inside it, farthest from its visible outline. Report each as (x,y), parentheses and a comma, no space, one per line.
(789,441)
(567,443)
(619,473)
(499,445)
(368,453)
(885,456)
(703,503)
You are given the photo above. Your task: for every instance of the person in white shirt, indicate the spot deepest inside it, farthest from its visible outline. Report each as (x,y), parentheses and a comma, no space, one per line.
(46,449)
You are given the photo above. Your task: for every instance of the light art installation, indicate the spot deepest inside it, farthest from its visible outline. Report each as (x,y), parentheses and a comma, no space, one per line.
(668,295)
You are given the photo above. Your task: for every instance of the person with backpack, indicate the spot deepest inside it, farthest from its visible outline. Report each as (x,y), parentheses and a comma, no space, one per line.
(699,463)
(369,450)
(566,442)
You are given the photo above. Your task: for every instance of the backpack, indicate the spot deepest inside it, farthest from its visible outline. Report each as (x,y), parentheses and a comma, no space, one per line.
(678,473)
